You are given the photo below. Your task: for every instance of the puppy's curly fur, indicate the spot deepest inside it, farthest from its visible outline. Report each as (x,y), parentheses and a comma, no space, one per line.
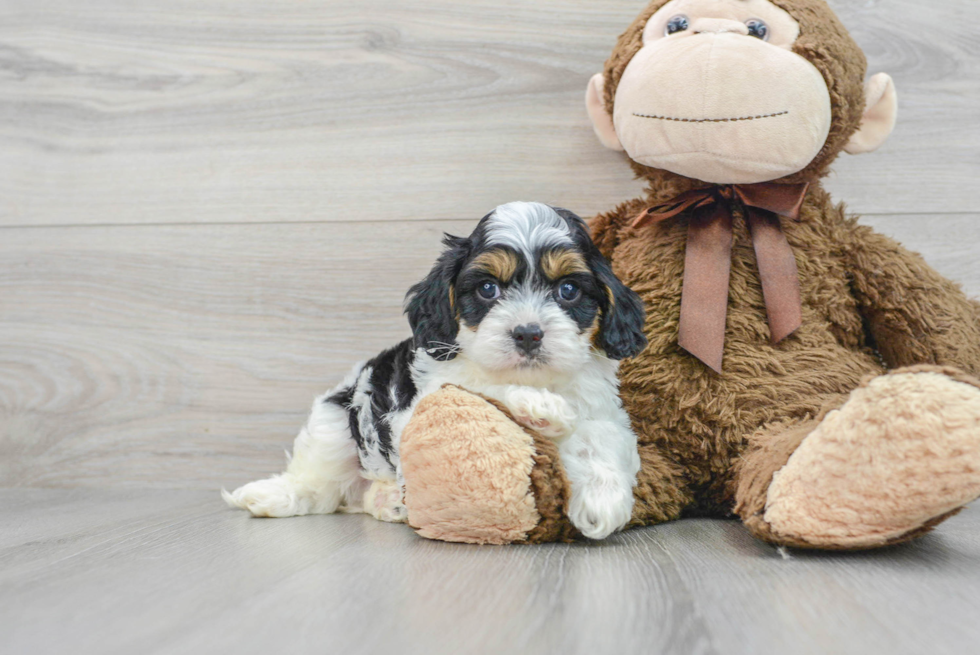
(525,311)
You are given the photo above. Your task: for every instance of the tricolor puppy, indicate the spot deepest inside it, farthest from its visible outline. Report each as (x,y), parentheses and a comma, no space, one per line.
(526,311)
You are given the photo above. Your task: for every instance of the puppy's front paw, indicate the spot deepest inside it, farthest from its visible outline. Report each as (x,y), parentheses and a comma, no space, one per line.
(547,413)
(598,512)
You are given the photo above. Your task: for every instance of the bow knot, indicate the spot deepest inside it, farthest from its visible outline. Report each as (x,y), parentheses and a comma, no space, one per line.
(707,262)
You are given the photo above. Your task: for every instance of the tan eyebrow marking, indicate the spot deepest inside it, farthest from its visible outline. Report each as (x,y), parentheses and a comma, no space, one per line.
(556,264)
(502,264)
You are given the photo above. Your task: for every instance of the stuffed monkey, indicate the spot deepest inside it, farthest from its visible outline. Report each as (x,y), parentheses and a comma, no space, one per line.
(803,372)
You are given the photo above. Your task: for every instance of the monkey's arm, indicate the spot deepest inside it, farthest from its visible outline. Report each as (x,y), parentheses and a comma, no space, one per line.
(914,314)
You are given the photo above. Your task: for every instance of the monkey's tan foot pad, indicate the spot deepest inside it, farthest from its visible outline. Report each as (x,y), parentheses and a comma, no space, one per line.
(899,457)
(473,475)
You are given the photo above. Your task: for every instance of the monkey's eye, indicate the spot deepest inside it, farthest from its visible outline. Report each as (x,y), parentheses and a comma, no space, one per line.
(678,23)
(489,290)
(758,29)
(569,291)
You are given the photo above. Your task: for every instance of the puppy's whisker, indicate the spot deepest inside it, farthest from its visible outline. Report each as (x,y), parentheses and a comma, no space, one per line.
(442,348)
(446,346)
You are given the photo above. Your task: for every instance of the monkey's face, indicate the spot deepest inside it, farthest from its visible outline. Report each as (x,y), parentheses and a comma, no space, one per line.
(716,93)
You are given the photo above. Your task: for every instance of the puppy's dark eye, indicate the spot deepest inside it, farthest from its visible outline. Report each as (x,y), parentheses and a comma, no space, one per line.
(569,291)
(489,290)
(758,29)
(677,24)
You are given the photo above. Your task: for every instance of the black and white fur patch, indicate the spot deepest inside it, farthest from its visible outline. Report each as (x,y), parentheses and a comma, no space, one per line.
(383,390)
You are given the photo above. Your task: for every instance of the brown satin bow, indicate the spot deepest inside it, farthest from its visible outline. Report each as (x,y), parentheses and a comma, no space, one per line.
(708,262)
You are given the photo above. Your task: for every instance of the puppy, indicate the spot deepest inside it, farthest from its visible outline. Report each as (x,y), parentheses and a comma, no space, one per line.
(527,311)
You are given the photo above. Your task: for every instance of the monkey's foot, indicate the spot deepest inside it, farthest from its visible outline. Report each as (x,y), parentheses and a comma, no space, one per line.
(901,456)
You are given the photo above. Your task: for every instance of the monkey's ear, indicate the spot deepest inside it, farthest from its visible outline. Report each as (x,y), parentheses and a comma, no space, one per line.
(879,115)
(602,122)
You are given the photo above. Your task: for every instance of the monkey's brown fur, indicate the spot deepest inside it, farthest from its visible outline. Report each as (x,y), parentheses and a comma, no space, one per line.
(868,306)
(710,444)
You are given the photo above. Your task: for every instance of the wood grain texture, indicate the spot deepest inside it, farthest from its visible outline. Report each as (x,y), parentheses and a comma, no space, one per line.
(186,356)
(227,111)
(175,572)
(130,354)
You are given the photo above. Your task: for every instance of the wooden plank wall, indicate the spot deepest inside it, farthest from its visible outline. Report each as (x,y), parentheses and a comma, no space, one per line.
(210,208)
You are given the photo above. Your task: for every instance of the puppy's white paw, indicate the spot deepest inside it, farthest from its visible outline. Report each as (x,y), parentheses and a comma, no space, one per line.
(599,511)
(545,412)
(384,501)
(271,498)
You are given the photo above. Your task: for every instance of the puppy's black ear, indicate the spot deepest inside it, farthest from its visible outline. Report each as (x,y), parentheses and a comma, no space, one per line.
(621,327)
(430,303)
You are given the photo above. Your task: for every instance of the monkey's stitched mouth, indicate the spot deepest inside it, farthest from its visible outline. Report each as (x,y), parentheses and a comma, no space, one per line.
(711,120)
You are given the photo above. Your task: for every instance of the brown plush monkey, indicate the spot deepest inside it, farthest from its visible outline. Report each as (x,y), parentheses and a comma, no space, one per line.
(803,372)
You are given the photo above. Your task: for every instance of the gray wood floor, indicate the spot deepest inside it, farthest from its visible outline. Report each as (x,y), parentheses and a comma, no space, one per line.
(90,571)
(209,209)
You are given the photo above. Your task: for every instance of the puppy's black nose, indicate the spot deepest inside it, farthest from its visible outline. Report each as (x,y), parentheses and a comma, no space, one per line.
(528,337)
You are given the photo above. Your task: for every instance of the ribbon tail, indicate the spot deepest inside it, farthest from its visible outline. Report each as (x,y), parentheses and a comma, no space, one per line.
(778,273)
(704,299)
